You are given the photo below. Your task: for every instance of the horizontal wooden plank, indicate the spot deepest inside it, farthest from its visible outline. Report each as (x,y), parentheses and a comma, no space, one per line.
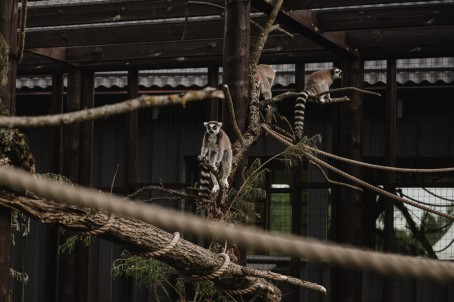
(409,37)
(146,31)
(179,50)
(279,49)
(113,11)
(119,34)
(311,4)
(375,18)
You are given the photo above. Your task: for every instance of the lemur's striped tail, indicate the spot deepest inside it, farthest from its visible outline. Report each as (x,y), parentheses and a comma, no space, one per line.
(204,187)
(300,107)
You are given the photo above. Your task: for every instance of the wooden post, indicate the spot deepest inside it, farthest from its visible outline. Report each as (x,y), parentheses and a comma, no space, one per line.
(390,160)
(347,204)
(8,33)
(236,62)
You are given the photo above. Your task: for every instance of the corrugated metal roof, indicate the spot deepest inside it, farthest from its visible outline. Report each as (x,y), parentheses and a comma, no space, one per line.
(416,71)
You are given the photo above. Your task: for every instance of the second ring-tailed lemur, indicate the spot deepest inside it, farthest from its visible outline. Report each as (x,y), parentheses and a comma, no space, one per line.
(216,144)
(317,82)
(265,75)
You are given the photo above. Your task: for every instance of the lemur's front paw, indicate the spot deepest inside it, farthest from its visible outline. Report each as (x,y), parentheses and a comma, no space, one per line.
(200,157)
(215,188)
(225,184)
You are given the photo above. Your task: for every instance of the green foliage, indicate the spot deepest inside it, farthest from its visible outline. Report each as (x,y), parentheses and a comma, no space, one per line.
(21,277)
(147,271)
(20,223)
(242,202)
(157,275)
(294,154)
(70,244)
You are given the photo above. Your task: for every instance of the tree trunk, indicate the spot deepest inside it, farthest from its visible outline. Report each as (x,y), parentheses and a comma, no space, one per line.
(8,63)
(138,237)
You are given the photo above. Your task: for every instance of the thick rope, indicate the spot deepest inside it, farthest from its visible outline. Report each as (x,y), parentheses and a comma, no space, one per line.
(376,189)
(249,290)
(311,249)
(215,274)
(379,167)
(361,182)
(166,249)
(95,232)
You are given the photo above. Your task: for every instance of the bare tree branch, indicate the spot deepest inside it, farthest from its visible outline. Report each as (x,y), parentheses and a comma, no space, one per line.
(109,110)
(228,96)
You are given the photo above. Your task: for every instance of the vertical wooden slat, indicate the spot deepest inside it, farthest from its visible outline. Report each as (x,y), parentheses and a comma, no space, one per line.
(297,194)
(51,257)
(348,204)
(131,161)
(71,147)
(132,133)
(86,129)
(390,160)
(87,100)
(8,30)
(213,81)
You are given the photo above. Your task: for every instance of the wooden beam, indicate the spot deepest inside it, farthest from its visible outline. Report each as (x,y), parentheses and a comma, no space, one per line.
(382,18)
(57,14)
(54,53)
(310,4)
(179,50)
(411,42)
(305,23)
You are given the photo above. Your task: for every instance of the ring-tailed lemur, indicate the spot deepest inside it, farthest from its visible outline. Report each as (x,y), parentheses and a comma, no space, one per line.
(317,82)
(216,144)
(265,75)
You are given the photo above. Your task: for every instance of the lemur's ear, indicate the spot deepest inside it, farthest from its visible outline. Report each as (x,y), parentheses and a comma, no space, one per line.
(220,124)
(205,123)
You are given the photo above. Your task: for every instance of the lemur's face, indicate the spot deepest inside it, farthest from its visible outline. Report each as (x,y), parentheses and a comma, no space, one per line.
(337,74)
(213,127)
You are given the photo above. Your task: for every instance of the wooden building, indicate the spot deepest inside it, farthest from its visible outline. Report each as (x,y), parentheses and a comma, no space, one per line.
(89,53)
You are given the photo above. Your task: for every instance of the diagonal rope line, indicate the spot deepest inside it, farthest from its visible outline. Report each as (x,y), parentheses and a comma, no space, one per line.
(359,181)
(379,167)
(376,189)
(347,257)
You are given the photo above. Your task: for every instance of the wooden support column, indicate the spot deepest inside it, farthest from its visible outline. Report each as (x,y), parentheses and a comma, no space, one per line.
(67,290)
(8,33)
(390,160)
(347,205)
(236,75)
(236,62)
